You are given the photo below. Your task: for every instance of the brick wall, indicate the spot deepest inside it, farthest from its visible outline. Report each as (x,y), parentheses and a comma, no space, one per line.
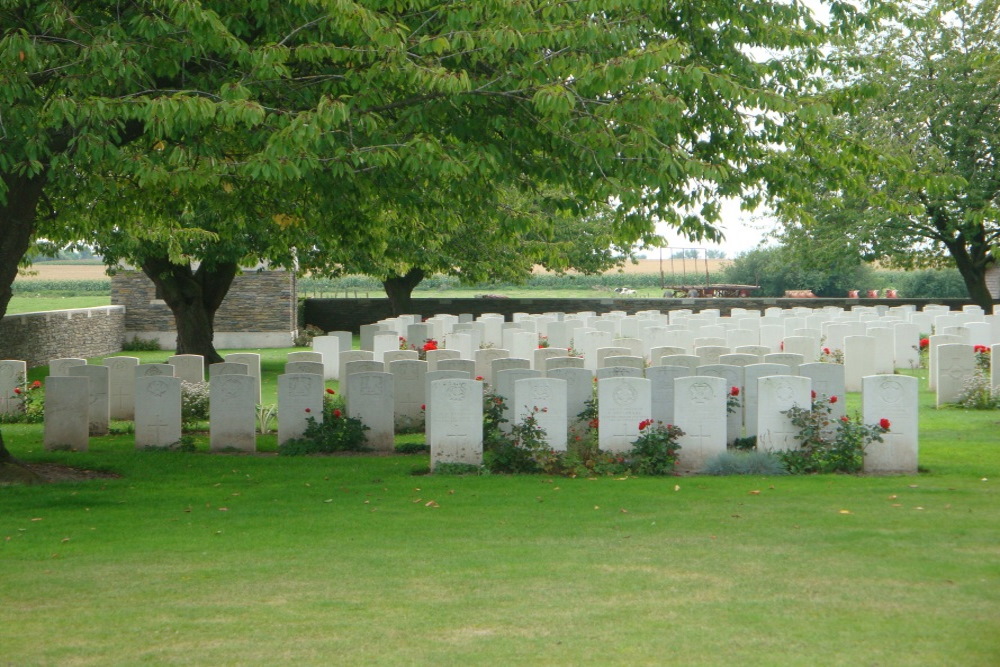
(257,301)
(350,314)
(85,332)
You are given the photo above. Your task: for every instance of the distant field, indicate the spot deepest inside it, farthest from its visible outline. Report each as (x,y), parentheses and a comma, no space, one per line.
(677,266)
(53,271)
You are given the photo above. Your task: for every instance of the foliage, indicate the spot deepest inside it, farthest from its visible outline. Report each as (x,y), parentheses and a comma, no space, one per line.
(522,450)
(413,448)
(654,452)
(983,357)
(458,469)
(829,445)
(336,433)
(266,416)
(194,403)
(32,408)
(61,287)
(306,334)
(979,394)
(782,268)
(137,344)
(745,463)
(919,125)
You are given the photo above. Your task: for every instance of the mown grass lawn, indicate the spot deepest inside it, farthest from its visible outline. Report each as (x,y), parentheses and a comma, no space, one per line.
(192,558)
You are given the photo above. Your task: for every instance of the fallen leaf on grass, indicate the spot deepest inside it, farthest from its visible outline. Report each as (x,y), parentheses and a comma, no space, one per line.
(755,492)
(846,512)
(65,540)
(223,509)
(328,500)
(623,511)
(918,508)
(418,500)
(893,497)
(677,487)
(431,504)
(38,518)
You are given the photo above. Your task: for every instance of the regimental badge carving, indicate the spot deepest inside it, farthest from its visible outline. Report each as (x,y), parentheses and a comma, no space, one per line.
(892,391)
(784,392)
(701,393)
(157,388)
(625,394)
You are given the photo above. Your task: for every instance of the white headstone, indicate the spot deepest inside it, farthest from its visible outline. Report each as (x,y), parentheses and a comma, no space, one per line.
(150,370)
(700,411)
(555,363)
(662,390)
(12,376)
(504,388)
(859,360)
(157,411)
(227,368)
(955,366)
(121,386)
(188,367)
(348,356)
(409,392)
(892,397)
(311,367)
(370,397)
(906,345)
(232,413)
(618,372)
(933,343)
(99,396)
(67,412)
(750,401)
(455,426)
(828,380)
(300,396)
(435,356)
(733,376)
(545,398)
(622,404)
(252,360)
(329,347)
(579,390)
(776,395)
(60,367)
(484,362)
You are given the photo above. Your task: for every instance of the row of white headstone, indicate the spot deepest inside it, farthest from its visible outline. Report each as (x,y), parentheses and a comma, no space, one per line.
(455,416)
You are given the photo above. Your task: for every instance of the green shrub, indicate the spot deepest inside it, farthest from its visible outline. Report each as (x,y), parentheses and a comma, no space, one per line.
(194,403)
(745,463)
(829,446)
(412,448)
(979,394)
(138,344)
(336,433)
(32,410)
(458,469)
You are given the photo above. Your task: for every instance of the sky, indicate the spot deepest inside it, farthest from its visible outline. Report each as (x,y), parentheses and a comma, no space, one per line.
(743,230)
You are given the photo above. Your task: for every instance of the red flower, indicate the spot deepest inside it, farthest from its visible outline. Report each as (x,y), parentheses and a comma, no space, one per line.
(594,423)
(36,384)
(884,423)
(833,399)
(924,342)
(844,419)
(813,392)
(826,350)
(782,346)
(308,409)
(644,423)
(479,377)
(734,391)
(431,344)
(17,390)
(337,413)
(330,391)
(423,406)
(980,348)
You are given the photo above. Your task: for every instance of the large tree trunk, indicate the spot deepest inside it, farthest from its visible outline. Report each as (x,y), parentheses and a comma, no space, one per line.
(193,296)
(399,289)
(972,263)
(18,214)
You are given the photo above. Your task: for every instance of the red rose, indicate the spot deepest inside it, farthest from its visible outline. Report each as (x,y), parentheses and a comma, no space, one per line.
(337,413)
(594,422)
(833,399)
(308,409)
(479,377)
(734,391)
(36,384)
(924,342)
(423,406)
(826,350)
(17,390)
(813,393)
(884,423)
(431,344)
(330,391)
(644,423)
(844,419)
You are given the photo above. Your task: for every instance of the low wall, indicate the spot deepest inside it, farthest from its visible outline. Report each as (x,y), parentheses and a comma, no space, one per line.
(350,314)
(83,332)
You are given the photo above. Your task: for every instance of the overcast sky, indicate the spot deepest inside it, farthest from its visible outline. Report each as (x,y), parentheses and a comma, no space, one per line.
(744,231)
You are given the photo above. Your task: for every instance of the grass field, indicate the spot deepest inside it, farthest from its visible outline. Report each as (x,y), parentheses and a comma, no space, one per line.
(192,558)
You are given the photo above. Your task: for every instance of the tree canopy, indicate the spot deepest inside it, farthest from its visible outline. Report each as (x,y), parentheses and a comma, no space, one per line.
(921,183)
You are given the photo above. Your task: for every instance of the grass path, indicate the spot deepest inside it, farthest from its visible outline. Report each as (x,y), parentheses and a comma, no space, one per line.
(193,558)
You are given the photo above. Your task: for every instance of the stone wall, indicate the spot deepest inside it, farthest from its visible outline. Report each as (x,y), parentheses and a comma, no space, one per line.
(85,332)
(350,314)
(259,310)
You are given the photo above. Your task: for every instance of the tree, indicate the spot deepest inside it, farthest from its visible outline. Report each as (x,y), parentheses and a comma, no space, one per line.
(782,268)
(656,105)
(923,139)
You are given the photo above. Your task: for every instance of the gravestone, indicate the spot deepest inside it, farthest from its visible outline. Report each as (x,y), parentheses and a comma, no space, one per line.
(384,341)
(892,397)
(348,356)
(906,345)
(151,370)
(464,365)
(662,390)
(455,426)
(757,350)
(633,345)
(739,359)
(98,396)
(579,390)
(227,368)
(352,367)
(121,386)
(188,367)
(859,360)
(252,360)
(504,388)
(777,394)
(709,354)
(688,361)
(311,367)
(802,345)
(733,377)
(605,352)
(157,411)
(699,411)
(409,393)
(546,399)
(623,403)
(618,372)
(995,366)
(232,402)
(484,362)
(60,367)
(660,351)
(314,357)
(932,346)
(555,363)
(370,395)
(300,396)
(12,376)
(367,334)
(507,363)
(329,347)
(790,359)
(827,380)
(627,361)
(884,350)
(543,354)
(435,356)
(433,376)
(67,413)
(588,342)
(955,366)
(462,341)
